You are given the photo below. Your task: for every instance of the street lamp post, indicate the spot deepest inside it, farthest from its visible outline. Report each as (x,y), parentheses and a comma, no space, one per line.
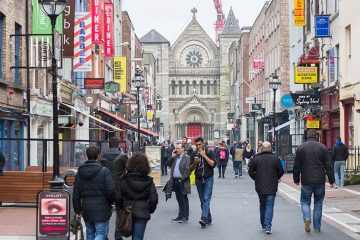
(274,84)
(138,81)
(53,8)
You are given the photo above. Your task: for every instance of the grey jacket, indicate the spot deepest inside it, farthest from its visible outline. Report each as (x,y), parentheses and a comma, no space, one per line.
(184,170)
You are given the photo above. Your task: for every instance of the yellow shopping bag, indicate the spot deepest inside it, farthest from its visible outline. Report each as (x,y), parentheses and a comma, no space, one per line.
(192,178)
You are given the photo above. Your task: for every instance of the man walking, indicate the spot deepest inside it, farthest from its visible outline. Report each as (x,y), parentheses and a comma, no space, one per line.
(180,173)
(311,162)
(265,168)
(203,161)
(188,148)
(113,159)
(94,193)
(339,154)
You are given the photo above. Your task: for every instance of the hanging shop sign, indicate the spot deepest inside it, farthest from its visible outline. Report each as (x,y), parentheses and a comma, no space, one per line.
(41,23)
(306,99)
(112,87)
(128,98)
(322,26)
(82,42)
(299,13)
(94,83)
(231,115)
(90,100)
(53,214)
(120,72)
(313,124)
(287,101)
(258,64)
(96,35)
(306,75)
(108,29)
(68,24)
(256,107)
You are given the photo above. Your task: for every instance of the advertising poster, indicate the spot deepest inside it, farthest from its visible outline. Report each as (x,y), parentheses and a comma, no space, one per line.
(96,35)
(154,155)
(306,75)
(120,72)
(82,42)
(53,213)
(108,29)
(299,13)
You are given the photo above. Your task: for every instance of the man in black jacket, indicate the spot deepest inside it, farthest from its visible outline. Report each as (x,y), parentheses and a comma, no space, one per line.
(339,154)
(311,162)
(94,193)
(203,161)
(265,168)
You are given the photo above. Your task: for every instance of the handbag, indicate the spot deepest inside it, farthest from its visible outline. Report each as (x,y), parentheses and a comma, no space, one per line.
(125,221)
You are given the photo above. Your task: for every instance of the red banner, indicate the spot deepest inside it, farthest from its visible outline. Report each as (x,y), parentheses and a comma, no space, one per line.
(258,64)
(96,21)
(108,29)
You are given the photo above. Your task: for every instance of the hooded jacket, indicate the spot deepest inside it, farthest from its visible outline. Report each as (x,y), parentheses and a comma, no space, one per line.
(94,192)
(138,189)
(339,152)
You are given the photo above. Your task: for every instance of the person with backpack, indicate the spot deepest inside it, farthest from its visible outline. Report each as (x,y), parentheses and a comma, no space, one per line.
(339,155)
(222,157)
(93,195)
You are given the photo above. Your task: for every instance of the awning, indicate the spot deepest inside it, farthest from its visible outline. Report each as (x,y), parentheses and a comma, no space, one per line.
(92,117)
(128,124)
(310,57)
(282,125)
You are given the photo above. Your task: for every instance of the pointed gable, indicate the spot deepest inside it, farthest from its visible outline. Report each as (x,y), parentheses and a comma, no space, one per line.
(195,100)
(153,37)
(231,24)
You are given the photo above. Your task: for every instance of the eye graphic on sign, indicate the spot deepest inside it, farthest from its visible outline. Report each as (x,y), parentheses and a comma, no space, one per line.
(50,206)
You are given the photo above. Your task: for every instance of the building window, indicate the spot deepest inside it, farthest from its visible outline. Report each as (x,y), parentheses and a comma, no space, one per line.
(187,86)
(201,87)
(348,53)
(336,5)
(180,87)
(208,88)
(317,7)
(194,87)
(173,87)
(215,87)
(337,61)
(17,53)
(2,18)
(308,15)
(349,124)
(157,65)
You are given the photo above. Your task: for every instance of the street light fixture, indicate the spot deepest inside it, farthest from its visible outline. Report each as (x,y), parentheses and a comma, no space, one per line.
(53,8)
(138,82)
(274,84)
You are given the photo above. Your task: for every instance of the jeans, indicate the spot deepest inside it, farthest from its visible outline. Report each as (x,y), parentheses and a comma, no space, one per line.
(96,230)
(339,173)
(222,169)
(139,226)
(266,210)
(204,188)
(164,166)
(182,200)
(238,168)
(319,193)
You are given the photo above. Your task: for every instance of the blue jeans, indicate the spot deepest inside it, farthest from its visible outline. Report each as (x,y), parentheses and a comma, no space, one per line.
(266,210)
(238,168)
(139,226)
(204,189)
(319,193)
(339,167)
(182,200)
(96,230)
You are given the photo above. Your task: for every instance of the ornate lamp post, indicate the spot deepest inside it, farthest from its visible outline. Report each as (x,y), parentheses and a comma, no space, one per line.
(53,8)
(274,84)
(138,81)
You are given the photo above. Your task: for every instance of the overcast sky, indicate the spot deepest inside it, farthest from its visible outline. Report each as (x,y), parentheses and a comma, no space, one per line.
(170,17)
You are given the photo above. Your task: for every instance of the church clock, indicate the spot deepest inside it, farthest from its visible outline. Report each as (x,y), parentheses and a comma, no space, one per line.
(194,56)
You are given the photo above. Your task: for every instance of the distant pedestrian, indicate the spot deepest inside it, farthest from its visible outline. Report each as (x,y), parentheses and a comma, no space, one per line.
(93,195)
(232,149)
(237,161)
(180,178)
(258,150)
(137,189)
(339,154)
(167,151)
(265,168)
(222,158)
(248,154)
(2,164)
(188,148)
(311,162)
(203,161)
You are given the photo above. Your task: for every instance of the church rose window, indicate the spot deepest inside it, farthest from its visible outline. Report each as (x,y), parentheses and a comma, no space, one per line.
(194,57)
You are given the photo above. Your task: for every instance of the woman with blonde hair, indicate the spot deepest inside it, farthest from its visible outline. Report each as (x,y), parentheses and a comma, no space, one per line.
(248,153)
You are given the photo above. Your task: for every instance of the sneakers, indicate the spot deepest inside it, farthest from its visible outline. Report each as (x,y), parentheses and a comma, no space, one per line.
(236,176)
(307,225)
(176,219)
(268,231)
(202,223)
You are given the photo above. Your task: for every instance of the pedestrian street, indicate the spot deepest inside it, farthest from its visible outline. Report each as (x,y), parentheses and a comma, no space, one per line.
(235,211)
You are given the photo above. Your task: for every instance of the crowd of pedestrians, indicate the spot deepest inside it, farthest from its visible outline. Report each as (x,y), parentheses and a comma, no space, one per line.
(111,178)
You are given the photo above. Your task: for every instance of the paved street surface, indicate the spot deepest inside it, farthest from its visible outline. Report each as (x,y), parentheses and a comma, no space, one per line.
(235,216)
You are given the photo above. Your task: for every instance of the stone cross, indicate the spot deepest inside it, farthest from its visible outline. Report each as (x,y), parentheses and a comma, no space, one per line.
(194,11)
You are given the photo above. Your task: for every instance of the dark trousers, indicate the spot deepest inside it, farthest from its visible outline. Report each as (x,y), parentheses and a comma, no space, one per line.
(139,226)
(164,166)
(221,169)
(182,199)
(117,232)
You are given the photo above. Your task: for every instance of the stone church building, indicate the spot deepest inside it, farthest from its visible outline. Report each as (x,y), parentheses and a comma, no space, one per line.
(192,80)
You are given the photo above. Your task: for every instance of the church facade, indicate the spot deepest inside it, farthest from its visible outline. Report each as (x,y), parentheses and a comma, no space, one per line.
(193,88)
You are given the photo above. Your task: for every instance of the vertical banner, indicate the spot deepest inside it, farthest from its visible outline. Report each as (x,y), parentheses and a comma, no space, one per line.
(82,42)
(96,36)
(68,23)
(108,29)
(120,72)
(41,22)
(299,13)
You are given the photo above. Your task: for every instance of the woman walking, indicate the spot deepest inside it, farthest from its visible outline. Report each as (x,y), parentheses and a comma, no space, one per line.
(222,157)
(137,189)
(248,154)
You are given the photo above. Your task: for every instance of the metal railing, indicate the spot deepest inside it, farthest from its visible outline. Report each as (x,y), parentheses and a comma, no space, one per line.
(352,165)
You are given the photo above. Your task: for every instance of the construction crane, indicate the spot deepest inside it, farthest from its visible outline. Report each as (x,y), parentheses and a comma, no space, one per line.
(220,19)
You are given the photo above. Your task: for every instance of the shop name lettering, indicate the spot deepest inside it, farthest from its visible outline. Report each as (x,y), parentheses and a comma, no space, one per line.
(307,100)
(82,35)
(118,71)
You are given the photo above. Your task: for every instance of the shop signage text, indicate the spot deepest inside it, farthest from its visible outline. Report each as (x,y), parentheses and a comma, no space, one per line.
(306,75)
(94,83)
(112,87)
(305,99)
(108,29)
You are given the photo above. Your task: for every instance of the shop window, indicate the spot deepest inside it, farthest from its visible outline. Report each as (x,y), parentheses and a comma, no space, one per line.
(349,125)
